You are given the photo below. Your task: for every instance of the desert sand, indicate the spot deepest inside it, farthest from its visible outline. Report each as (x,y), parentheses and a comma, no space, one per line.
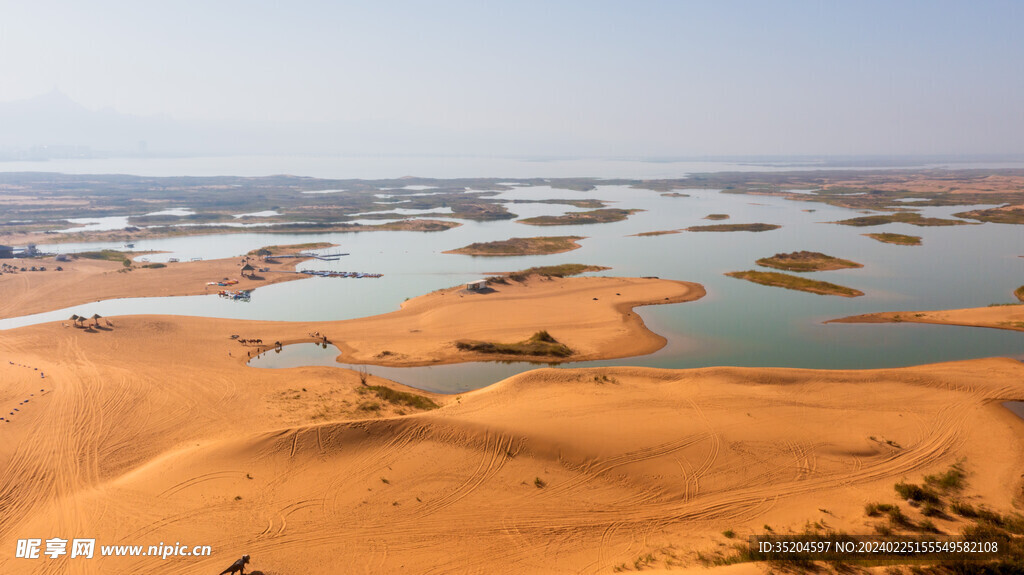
(86,280)
(151,433)
(156,431)
(1000,317)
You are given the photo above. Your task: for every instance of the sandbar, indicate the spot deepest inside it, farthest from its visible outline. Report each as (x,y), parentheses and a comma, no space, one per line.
(1004,316)
(88,280)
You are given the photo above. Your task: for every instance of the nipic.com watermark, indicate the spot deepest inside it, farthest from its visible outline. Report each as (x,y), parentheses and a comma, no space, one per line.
(86,549)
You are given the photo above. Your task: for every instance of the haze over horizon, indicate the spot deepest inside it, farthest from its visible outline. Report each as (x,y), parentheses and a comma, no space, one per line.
(570,79)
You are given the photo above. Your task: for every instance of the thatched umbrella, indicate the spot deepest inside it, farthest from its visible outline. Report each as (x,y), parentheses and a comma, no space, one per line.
(74,317)
(96,319)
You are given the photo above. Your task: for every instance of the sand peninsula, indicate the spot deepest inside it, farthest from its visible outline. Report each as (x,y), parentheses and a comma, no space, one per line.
(521,246)
(756,227)
(151,432)
(805,261)
(591,315)
(601,216)
(96,276)
(999,316)
(897,239)
(797,283)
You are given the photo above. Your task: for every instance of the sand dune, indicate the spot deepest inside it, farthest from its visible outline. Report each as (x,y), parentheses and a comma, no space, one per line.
(151,433)
(156,431)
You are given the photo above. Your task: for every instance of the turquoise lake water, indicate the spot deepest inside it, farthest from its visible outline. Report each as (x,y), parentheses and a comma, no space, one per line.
(737,323)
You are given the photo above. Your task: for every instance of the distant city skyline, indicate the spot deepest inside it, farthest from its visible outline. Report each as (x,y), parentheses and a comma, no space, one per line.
(654,79)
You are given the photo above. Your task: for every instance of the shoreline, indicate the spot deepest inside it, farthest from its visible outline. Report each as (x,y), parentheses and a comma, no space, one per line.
(164,232)
(1004,316)
(595,330)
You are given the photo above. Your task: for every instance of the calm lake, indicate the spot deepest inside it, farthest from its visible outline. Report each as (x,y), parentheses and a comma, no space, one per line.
(738,323)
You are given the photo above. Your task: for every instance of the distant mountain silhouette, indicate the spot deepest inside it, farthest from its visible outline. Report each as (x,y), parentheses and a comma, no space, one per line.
(55,120)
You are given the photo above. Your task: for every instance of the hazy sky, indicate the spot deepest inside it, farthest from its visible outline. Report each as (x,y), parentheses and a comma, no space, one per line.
(597,78)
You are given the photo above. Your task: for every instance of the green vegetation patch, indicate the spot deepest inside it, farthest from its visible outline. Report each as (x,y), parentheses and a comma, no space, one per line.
(521,246)
(805,261)
(716,217)
(539,344)
(758,227)
(559,271)
(271,250)
(795,283)
(1019,292)
(108,255)
(898,239)
(912,218)
(602,216)
(585,204)
(401,398)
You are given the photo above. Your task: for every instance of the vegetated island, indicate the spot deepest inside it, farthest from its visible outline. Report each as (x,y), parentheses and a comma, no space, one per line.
(1019,292)
(521,246)
(657,233)
(1011,214)
(795,283)
(757,227)
(602,216)
(716,217)
(540,344)
(997,316)
(912,218)
(804,261)
(898,239)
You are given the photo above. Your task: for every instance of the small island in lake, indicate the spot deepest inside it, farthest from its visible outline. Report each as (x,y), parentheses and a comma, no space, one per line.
(1019,292)
(657,233)
(716,217)
(521,246)
(758,227)
(805,261)
(602,216)
(795,283)
(912,218)
(898,239)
